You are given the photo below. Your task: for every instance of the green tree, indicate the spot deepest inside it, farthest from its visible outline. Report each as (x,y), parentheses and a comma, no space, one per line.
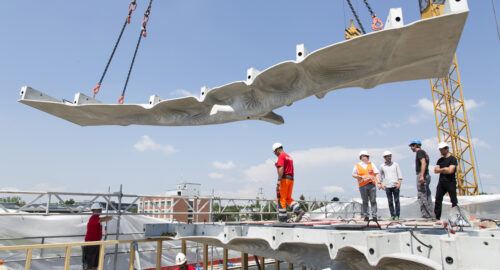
(69,202)
(15,199)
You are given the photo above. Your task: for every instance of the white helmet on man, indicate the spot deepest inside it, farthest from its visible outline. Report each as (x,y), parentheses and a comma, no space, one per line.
(363,153)
(96,206)
(387,152)
(180,258)
(442,145)
(276,146)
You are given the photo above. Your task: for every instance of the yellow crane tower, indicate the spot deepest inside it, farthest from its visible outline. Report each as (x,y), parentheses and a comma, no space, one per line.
(451,117)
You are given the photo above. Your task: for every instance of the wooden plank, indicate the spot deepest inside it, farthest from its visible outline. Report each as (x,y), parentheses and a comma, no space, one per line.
(244,261)
(67,258)
(102,251)
(131,257)
(224,259)
(205,257)
(276,265)
(184,247)
(29,252)
(159,250)
(290,266)
(304,268)
(262,262)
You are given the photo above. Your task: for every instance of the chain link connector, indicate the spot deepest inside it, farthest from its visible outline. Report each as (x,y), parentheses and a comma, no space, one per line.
(120,100)
(96,89)
(377,23)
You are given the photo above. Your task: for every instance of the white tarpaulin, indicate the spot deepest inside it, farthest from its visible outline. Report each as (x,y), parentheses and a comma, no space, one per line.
(420,50)
(482,206)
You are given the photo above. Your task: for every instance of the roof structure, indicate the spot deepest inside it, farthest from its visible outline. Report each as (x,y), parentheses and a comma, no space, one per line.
(420,50)
(349,245)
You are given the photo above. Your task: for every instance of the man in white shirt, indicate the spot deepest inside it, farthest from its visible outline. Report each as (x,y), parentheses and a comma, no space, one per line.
(392,178)
(368,176)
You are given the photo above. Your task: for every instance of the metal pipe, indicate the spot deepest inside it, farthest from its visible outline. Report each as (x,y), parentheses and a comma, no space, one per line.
(118,226)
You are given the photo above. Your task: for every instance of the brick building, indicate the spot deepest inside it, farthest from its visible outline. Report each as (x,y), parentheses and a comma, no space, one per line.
(185,198)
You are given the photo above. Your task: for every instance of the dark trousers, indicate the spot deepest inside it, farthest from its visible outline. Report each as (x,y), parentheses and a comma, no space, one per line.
(90,256)
(393,206)
(444,187)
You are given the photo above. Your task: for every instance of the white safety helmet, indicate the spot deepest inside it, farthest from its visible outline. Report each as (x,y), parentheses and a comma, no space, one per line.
(363,153)
(276,146)
(180,258)
(96,206)
(442,145)
(387,152)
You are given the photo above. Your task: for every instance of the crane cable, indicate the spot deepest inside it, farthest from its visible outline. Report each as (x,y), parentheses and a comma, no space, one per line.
(376,22)
(142,34)
(356,16)
(496,20)
(131,7)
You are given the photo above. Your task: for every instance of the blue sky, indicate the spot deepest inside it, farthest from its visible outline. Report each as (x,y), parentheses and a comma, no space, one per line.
(61,47)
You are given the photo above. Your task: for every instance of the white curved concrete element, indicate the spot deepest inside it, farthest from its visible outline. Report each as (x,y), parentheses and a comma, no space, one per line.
(324,246)
(423,49)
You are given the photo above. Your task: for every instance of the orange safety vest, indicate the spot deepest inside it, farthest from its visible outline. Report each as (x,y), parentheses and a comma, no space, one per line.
(367,174)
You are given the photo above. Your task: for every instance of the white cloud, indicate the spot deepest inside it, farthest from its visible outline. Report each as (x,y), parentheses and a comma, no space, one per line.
(262,172)
(147,144)
(425,105)
(376,131)
(215,175)
(487,176)
(391,125)
(321,158)
(182,92)
(471,104)
(479,143)
(333,189)
(223,165)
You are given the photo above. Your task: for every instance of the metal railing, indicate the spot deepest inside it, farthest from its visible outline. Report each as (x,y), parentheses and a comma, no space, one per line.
(197,206)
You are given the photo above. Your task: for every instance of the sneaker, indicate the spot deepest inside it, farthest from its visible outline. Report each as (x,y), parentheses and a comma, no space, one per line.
(367,219)
(396,218)
(393,218)
(299,215)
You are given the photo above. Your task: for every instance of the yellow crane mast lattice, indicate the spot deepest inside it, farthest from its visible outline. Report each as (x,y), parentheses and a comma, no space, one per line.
(451,117)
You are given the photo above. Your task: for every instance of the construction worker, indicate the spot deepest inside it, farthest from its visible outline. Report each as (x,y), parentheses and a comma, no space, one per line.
(368,178)
(284,186)
(423,179)
(90,256)
(446,167)
(391,183)
(181,261)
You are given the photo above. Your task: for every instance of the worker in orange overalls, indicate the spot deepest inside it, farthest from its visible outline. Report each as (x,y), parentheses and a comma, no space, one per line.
(284,187)
(368,178)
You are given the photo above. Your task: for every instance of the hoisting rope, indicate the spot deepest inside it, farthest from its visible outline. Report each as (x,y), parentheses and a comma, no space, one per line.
(131,7)
(376,22)
(145,20)
(356,16)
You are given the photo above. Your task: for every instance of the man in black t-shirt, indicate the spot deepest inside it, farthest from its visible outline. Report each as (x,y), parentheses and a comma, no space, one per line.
(423,179)
(446,167)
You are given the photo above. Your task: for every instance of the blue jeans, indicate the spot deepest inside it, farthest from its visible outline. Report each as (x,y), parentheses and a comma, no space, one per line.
(393,192)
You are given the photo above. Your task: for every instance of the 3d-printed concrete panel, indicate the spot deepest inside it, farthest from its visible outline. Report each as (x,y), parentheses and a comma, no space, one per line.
(423,49)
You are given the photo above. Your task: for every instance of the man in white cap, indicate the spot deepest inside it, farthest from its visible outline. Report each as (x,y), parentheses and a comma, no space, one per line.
(181,261)
(284,187)
(368,178)
(90,256)
(446,167)
(392,178)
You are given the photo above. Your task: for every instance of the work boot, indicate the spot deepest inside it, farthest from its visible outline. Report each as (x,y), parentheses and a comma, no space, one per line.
(283,219)
(299,215)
